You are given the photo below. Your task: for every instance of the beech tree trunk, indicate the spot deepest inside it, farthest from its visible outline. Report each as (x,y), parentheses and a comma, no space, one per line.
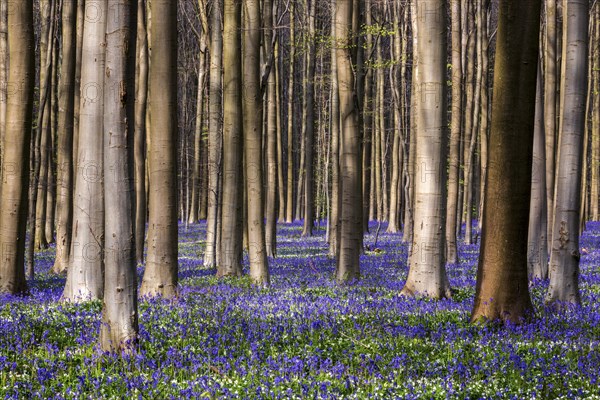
(537,251)
(564,258)
(502,285)
(232,213)
(85,279)
(139,141)
(252,107)
(119,328)
(350,245)
(455,125)
(16,145)
(289,215)
(65,138)
(214,135)
(160,277)
(427,273)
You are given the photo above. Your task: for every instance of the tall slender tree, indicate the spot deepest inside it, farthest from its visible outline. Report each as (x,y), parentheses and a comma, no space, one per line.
(427,273)
(231,218)
(160,277)
(350,228)
(119,313)
(537,252)
(85,273)
(455,125)
(565,255)
(65,137)
(15,177)
(502,286)
(215,142)
(308,124)
(253,130)
(139,140)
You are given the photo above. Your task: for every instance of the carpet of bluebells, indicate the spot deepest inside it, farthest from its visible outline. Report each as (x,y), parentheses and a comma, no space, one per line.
(304,337)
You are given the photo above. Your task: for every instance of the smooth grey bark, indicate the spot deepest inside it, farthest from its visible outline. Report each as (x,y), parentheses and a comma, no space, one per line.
(427,273)
(119,328)
(160,276)
(232,214)
(564,258)
(252,108)
(455,126)
(16,143)
(65,138)
(85,279)
(350,237)
(139,140)
(537,251)
(550,105)
(214,134)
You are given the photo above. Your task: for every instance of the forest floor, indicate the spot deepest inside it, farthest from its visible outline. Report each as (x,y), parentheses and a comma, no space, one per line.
(304,337)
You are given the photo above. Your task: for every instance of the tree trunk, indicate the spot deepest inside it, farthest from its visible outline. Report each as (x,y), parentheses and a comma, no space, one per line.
(350,244)
(550,101)
(160,277)
(427,273)
(65,138)
(455,125)
(3,73)
(537,251)
(289,217)
(502,286)
(85,273)
(278,109)
(309,127)
(253,125)
(215,145)
(44,127)
(139,141)
(271,134)
(595,115)
(564,258)
(197,160)
(231,220)
(334,216)
(14,189)
(119,328)
(78,59)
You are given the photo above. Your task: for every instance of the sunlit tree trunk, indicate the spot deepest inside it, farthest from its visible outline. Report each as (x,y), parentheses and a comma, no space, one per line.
(271,134)
(550,102)
(502,285)
(119,327)
(350,244)
(289,203)
(564,258)
(427,273)
(160,277)
(16,145)
(214,135)
(253,126)
(3,73)
(595,115)
(139,141)
(44,124)
(65,138)
(232,213)
(85,273)
(334,217)
(455,126)
(309,126)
